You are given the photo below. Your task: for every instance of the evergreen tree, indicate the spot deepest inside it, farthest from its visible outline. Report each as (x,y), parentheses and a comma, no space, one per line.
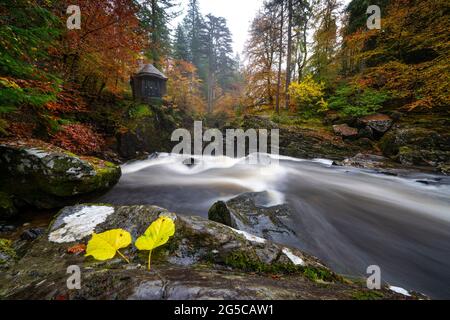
(180,46)
(155,16)
(218,50)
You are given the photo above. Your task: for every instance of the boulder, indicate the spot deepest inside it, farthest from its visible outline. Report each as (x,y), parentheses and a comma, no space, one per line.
(204,260)
(7,254)
(345,131)
(248,212)
(44,176)
(379,123)
(7,208)
(415,146)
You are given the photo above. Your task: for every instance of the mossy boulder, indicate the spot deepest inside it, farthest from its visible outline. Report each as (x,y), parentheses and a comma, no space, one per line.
(7,208)
(416,146)
(7,254)
(44,176)
(204,260)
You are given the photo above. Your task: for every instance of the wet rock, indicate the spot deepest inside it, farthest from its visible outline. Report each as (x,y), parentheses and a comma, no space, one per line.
(45,176)
(204,260)
(379,123)
(190,163)
(345,131)
(369,161)
(7,207)
(32,234)
(248,213)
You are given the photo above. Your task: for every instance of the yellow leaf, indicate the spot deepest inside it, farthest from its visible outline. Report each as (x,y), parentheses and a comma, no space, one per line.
(156,235)
(104,246)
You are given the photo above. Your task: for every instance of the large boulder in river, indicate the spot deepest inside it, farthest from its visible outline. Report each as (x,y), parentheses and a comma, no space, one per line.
(44,176)
(204,260)
(249,212)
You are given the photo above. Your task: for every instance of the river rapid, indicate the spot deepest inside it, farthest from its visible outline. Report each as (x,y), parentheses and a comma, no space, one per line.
(349,218)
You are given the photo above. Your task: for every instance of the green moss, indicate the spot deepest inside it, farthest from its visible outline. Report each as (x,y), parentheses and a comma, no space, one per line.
(245,262)
(368,295)
(320,274)
(5,201)
(140,111)
(6,251)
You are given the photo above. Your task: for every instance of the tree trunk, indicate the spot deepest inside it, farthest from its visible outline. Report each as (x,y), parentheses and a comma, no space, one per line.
(289,55)
(280,62)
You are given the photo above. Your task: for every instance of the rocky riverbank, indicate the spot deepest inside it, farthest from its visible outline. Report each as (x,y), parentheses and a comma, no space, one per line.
(374,142)
(205,260)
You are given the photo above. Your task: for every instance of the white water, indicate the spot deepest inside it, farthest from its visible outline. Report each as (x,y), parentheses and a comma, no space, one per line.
(349,218)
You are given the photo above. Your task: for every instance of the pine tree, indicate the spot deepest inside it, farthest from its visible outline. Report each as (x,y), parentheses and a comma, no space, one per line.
(155,15)
(180,49)
(217,43)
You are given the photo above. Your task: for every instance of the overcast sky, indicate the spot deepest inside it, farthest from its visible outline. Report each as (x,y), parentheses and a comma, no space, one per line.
(239,14)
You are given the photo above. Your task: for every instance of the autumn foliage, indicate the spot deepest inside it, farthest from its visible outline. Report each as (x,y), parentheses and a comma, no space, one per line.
(79,139)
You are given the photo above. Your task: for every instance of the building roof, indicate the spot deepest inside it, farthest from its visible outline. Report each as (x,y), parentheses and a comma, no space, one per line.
(150,70)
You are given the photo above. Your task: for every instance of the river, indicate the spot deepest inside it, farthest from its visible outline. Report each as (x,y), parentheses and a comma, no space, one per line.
(349,218)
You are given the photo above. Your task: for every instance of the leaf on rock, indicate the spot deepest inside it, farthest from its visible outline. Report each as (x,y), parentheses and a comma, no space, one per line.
(104,246)
(78,248)
(156,235)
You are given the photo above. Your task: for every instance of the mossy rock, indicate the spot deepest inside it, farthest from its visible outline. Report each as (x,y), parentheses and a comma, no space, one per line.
(204,260)
(7,208)
(45,176)
(7,254)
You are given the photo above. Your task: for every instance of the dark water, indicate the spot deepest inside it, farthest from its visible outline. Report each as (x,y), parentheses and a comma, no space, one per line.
(349,218)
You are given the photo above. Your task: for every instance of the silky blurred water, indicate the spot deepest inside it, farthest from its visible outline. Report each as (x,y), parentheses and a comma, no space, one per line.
(349,218)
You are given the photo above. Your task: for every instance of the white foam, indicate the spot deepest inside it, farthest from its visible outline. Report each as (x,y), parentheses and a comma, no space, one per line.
(249,236)
(295,259)
(80,224)
(400,291)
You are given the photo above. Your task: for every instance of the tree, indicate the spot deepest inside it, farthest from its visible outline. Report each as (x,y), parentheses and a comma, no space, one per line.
(261,50)
(184,86)
(193,25)
(103,53)
(323,60)
(180,49)
(154,16)
(218,50)
(408,57)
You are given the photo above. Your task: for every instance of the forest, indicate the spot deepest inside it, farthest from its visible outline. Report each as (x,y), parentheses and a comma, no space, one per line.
(304,61)
(358,91)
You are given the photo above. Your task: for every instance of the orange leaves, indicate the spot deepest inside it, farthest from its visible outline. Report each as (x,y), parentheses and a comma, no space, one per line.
(78,248)
(107,45)
(184,86)
(79,139)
